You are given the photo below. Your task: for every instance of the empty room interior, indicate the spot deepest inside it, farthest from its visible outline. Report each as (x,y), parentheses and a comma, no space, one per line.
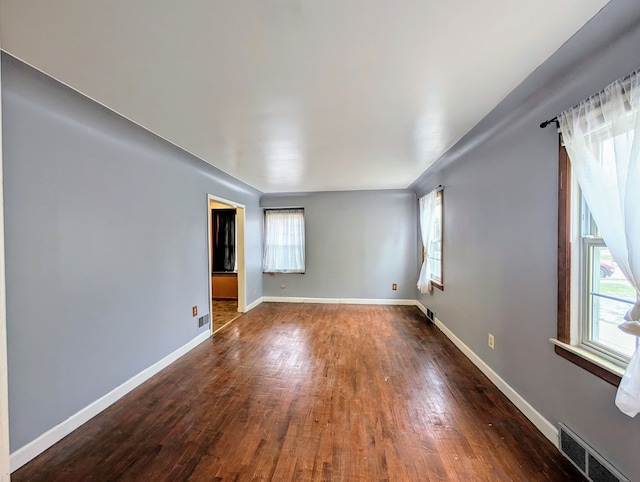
(317,240)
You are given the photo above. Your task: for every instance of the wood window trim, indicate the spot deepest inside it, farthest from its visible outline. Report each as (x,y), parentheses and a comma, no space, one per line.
(564,273)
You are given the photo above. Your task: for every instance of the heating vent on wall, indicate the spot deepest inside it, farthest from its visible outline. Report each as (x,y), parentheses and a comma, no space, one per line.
(586,459)
(430,316)
(203,320)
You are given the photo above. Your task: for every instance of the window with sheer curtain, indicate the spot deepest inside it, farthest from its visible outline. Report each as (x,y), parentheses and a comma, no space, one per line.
(284,241)
(431,232)
(604,152)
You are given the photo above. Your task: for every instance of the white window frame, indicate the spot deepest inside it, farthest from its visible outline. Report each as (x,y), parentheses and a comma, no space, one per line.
(585,238)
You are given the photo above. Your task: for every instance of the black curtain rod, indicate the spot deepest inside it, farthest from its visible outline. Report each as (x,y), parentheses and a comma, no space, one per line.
(624,80)
(547,122)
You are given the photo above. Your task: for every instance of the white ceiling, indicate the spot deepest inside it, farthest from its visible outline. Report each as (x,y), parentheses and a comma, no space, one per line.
(297,95)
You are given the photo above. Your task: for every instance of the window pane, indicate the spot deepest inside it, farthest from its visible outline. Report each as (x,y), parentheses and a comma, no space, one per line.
(610,297)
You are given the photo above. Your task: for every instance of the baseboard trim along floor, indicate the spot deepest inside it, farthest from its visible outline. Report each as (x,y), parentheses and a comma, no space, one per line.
(34,448)
(541,423)
(47,439)
(339,301)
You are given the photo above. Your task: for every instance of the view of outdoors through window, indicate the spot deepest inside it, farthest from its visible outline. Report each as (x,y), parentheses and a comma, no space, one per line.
(610,297)
(607,293)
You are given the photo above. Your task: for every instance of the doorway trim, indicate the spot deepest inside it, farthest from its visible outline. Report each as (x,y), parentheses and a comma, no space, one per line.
(240,223)
(4,370)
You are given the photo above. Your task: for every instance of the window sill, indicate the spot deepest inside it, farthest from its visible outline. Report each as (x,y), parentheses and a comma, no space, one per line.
(599,366)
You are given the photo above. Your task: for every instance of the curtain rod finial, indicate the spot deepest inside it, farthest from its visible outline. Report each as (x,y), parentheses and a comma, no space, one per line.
(547,122)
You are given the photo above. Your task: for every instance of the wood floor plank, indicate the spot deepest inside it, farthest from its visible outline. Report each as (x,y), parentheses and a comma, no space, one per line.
(303,392)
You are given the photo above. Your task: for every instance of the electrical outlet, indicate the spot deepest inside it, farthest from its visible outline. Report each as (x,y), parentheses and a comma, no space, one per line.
(491,342)
(394,286)
(194,311)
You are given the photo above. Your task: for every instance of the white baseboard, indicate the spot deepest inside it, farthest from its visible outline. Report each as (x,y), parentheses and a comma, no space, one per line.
(421,307)
(343,301)
(541,423)
(251,306)
(34,448)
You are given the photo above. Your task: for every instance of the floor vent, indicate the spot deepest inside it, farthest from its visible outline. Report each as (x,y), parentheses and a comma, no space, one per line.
(586,459)
(430,316)
(203,320)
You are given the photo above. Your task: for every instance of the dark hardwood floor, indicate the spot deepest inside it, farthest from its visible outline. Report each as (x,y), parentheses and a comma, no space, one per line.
(311,392)
(223,312)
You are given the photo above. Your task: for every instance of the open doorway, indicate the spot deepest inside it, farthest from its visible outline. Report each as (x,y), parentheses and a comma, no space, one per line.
(226,261)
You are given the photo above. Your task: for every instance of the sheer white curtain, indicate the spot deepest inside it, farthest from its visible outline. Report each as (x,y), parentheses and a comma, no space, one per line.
(283,241)
(600,137)
(427,217)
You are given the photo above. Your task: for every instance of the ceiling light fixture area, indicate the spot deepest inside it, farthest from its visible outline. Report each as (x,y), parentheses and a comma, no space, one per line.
(357,72)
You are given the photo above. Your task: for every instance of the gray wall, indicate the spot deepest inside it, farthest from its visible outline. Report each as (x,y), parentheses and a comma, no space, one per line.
(106,248)
(500,236)
(358,243)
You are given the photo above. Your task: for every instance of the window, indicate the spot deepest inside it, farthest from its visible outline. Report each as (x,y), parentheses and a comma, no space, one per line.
(593,293)
(570,268)
(605,295)
(284,242)
(598,237)
(435,248)
(600,135)
(431,232)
